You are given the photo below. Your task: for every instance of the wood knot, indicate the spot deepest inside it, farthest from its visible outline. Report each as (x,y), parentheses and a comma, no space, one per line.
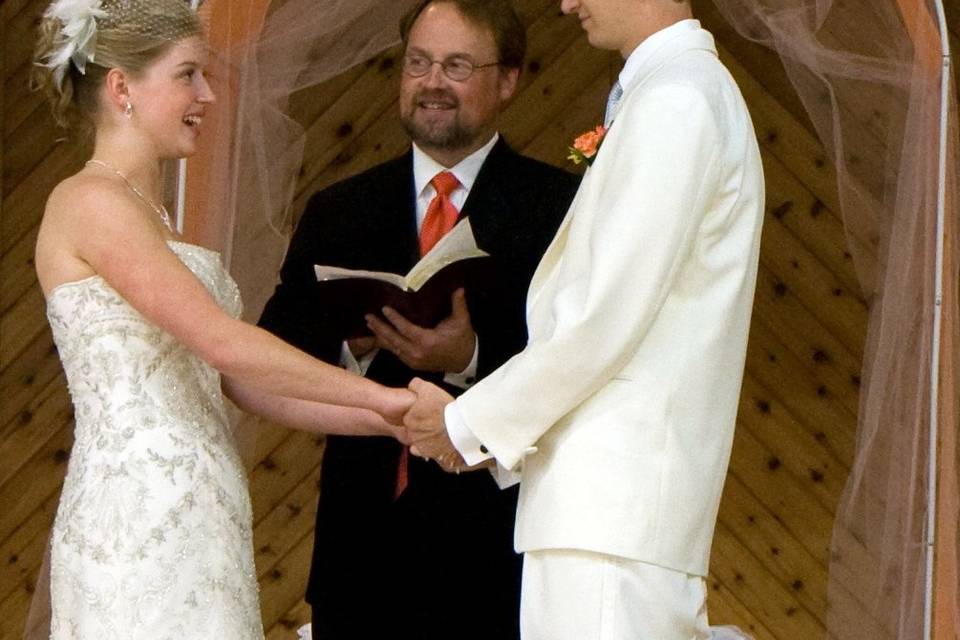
(780,211)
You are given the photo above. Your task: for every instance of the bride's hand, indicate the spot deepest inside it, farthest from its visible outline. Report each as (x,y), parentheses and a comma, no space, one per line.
(396,403)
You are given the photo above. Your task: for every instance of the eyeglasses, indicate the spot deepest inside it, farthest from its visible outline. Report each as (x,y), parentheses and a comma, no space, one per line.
(457,69)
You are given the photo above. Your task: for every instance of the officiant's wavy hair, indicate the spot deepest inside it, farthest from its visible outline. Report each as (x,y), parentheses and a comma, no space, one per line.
(496,15)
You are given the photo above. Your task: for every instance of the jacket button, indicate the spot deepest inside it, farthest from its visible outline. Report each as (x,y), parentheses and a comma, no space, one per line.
(484,450)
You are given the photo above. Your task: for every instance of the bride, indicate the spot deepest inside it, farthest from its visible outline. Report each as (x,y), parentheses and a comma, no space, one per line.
(152,537)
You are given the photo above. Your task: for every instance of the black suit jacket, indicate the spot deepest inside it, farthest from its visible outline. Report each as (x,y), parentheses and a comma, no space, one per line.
(394,567)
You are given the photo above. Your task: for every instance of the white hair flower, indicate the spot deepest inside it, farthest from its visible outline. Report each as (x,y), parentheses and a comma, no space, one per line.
(79,19)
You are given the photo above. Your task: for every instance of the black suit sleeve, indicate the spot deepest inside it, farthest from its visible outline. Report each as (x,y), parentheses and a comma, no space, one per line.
(290,313)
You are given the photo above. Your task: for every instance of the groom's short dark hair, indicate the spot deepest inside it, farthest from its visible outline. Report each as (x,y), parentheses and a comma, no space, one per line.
(496,15)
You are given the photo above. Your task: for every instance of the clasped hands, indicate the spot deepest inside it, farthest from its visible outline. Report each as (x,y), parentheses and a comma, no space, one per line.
(447,347)
(426,431)
(416,419)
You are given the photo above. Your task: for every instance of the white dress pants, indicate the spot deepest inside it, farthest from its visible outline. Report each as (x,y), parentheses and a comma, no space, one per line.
(569,594)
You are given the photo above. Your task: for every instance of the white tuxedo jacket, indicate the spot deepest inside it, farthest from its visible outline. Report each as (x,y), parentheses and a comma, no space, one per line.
(638,318)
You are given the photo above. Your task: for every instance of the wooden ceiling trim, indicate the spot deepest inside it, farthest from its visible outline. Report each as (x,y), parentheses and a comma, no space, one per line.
(286,467)
(783,491)
(783,439)
(290,519)
(13,612)
(753,586)
(806,396)
(823,466)
(49,413)
(21,324)
(829,383)
(21,553)
(802,333)
(20,26)
(779,552)
(289,622)
(824,296)
(284,585)
(29,488)
(17,269)
(23,380)
(23,205)
(307,105)
(723,605)
(810,223)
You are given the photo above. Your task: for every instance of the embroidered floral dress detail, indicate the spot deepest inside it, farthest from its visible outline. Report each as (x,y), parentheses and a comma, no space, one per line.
(152,538)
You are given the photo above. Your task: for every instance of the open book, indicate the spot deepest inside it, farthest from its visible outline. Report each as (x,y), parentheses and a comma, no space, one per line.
(422,296)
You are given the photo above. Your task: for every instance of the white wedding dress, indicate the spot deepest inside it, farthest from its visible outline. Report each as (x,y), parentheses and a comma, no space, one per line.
(152,538)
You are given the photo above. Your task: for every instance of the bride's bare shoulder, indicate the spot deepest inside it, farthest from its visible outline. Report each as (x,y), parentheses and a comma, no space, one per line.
(84,194)
(83,212)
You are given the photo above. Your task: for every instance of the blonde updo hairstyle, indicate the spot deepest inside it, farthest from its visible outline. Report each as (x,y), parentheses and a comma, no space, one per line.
(132,35)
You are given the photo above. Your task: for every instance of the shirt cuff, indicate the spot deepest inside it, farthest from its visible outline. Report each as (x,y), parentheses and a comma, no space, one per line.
(505,478)
(349,361)
(463,440)
(466,378)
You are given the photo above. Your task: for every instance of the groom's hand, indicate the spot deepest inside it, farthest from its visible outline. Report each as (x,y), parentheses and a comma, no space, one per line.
(425,427)
(448,347)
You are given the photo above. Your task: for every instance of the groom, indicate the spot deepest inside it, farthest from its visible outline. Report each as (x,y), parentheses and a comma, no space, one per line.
(620,411)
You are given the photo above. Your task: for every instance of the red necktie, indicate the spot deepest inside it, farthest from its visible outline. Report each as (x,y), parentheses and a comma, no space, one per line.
(440,217)
(441,214)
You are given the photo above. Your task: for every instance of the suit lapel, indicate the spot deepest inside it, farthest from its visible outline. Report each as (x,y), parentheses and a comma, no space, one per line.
(488,205)
(397,212)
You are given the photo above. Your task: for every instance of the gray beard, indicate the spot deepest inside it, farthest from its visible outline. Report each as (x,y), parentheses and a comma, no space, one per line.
(448,138)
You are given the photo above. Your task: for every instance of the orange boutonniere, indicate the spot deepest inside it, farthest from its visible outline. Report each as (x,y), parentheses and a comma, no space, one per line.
(586,146)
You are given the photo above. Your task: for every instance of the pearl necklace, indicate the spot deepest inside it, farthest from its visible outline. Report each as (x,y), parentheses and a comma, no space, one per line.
(161,210)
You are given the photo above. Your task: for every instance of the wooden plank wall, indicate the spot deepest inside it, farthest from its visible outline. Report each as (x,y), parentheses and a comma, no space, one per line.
(796,428)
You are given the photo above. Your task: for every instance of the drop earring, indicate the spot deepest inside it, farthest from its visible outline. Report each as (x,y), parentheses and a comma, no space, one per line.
(128,109)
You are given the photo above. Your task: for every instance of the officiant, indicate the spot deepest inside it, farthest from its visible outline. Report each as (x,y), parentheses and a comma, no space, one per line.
(393,532)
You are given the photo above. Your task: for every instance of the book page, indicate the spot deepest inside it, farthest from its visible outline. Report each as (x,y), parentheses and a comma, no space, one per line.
(456,245)
(325,272)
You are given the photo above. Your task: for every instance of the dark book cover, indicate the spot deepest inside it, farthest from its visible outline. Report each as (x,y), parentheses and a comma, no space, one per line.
(422,296)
